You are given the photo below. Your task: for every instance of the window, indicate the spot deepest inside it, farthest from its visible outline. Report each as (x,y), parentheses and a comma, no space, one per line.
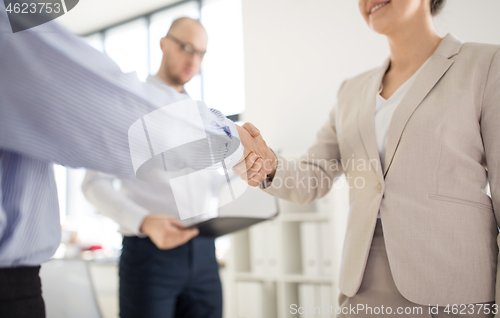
(95,41)
(135,46)
(127,45)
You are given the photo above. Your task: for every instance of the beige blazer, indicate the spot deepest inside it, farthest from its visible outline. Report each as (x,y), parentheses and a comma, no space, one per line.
(443,143)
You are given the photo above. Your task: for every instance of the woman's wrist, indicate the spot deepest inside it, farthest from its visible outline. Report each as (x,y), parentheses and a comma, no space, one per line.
(270,176)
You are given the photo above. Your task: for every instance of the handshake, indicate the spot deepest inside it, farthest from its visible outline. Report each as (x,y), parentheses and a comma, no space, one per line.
(258,160)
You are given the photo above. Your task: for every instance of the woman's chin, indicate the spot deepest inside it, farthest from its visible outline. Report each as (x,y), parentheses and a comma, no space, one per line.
(381,27)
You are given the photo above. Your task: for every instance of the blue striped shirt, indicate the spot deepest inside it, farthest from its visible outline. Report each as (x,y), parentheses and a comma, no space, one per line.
(64,102)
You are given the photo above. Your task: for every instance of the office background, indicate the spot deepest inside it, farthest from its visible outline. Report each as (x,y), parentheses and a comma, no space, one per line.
(275,63)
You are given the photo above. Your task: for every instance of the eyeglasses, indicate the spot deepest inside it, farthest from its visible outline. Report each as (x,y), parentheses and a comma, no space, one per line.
(186,48)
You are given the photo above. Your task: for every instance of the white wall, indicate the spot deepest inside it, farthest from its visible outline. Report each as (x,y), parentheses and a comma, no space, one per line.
(94,15)
(297,53)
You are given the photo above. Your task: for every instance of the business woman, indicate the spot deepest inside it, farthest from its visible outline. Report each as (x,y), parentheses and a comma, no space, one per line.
(418,139)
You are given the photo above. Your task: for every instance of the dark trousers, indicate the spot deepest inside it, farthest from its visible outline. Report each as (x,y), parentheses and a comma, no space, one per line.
(21,293)
(179,283)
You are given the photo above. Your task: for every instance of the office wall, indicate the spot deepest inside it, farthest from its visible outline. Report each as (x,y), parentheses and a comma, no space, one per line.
(298,52)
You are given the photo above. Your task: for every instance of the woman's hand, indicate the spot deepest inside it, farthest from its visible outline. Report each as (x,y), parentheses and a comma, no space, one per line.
(259,160)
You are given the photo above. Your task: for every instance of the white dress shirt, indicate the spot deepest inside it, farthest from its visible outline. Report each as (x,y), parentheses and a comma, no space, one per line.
(384,108)
(131,203)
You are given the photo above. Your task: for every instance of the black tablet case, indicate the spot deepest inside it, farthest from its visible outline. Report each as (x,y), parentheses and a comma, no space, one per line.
(252,207)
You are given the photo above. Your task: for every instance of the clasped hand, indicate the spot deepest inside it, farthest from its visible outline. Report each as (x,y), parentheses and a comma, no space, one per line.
(166,232)
(258,160)
(257,163)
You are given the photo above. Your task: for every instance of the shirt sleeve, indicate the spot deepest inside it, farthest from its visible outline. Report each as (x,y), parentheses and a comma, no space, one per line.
(292,179)
(98,190)
(230,129)
(490,130)
(65,102)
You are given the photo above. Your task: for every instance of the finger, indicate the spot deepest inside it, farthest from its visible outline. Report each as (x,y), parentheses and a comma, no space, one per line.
(254,163)
(250,161)
(255,168)
(176,237)
(269,161)
(258,177)
(243,167)
(188,234)
(239,169)
(177,223)
(253,183)
(251,129)
(243,157)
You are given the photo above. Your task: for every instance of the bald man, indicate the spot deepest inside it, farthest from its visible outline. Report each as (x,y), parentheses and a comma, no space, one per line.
(165,271)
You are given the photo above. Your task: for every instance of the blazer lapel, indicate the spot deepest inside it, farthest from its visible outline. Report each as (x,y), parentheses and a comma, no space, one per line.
(437,66)
(366,116)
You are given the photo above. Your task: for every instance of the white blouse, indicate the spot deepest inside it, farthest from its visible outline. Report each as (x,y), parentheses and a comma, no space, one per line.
(384,108)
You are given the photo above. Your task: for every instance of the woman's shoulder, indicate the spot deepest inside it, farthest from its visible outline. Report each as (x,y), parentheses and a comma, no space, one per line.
(474,51)
(355,81)
(478,58)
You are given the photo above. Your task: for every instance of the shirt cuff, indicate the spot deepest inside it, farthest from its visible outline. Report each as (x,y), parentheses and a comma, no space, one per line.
(133,220)
(231,131)
(233,159)
(268,181)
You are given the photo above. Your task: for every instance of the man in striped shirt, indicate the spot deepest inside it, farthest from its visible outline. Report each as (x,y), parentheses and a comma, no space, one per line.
(64,102)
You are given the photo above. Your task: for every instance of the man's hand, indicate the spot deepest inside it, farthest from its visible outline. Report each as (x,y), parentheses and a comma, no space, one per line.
(166,232)
(259,160)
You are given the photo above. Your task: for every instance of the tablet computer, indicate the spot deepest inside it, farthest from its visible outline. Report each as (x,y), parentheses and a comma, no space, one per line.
(252,207)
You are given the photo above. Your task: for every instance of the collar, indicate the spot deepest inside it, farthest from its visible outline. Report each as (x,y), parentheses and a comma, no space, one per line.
(449,46)
(159,82)
(155,80)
